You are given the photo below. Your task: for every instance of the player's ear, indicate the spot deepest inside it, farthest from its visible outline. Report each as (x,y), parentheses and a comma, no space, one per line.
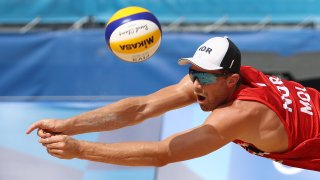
(232,80)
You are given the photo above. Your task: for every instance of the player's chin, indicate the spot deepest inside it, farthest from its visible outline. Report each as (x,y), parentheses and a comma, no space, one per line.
(205,107)
(205,104)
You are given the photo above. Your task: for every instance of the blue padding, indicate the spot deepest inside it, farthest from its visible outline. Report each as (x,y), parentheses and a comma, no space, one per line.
(66,63)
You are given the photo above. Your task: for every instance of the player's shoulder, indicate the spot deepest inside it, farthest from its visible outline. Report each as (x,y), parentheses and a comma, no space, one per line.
(242,110)
(236,118)
(240,104)
(248,107)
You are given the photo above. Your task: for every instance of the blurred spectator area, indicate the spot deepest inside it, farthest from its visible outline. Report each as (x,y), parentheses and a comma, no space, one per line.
(174,15)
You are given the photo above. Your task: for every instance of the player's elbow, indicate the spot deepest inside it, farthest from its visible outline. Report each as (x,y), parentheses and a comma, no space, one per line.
(164,156)
(162,161)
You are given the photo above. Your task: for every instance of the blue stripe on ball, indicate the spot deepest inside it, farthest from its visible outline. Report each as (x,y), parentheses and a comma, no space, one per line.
(115,24)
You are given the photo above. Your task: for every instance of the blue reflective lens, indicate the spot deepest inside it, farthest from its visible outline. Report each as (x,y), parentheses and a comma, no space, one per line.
(203,77)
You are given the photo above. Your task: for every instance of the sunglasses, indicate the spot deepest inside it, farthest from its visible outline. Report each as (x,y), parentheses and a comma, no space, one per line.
(203,77)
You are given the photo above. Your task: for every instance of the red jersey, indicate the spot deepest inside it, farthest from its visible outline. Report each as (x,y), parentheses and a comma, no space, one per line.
(297,107)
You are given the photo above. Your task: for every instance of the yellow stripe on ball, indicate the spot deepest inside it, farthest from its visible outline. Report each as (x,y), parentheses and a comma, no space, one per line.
(138,44)
(128,11)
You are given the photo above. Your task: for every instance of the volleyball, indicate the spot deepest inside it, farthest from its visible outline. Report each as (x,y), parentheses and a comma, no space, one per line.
(133,34)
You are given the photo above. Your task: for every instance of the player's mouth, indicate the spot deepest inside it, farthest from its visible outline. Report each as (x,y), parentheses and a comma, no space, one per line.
(200,97)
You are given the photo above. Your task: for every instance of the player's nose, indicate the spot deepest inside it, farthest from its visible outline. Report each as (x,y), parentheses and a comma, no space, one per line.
(197,84)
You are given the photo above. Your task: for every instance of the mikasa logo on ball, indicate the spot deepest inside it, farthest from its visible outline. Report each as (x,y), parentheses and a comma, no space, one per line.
(143,43)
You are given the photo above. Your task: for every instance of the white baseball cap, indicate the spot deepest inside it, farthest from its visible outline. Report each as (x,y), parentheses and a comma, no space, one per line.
(214,54)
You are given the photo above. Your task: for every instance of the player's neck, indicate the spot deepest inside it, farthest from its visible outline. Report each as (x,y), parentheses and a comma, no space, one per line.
(232,92)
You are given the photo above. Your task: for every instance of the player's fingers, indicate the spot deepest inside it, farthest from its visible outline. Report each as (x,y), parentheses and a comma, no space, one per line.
(34,126)
(56,145)
(56,155)
(54,151)
(44,133)
(46,124)
(52,139)
(44,141)
(41,133)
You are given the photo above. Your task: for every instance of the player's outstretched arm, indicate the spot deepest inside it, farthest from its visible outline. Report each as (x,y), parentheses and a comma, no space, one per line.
(123,113)
(218,130)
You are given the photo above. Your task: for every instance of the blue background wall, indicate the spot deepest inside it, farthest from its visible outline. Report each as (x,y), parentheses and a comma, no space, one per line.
(68,63)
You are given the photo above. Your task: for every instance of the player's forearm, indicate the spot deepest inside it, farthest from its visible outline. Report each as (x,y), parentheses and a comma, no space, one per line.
(129,153)
(120,114)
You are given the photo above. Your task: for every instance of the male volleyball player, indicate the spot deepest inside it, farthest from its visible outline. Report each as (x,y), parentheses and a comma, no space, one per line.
(266,115)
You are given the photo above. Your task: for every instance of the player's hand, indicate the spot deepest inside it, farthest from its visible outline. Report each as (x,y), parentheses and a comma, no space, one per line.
(48,127)
(45,133)
(61,146)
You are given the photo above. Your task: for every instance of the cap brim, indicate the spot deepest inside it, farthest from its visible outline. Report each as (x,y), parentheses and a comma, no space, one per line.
(201,64)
